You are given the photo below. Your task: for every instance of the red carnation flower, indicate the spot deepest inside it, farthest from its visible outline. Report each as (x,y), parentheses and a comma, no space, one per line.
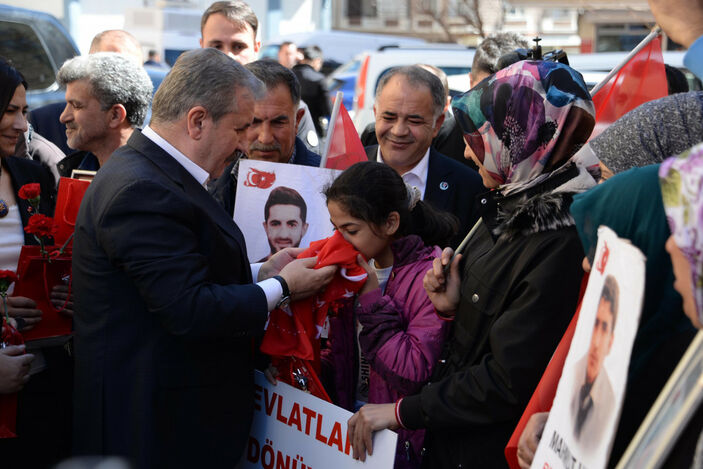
(40,226)
(8,276)
(30,191)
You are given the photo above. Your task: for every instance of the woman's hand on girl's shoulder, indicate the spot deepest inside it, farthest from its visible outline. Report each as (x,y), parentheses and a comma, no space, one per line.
(372,280)
(442,287)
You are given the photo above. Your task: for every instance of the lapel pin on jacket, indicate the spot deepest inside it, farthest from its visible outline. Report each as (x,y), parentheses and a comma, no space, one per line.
(444,185)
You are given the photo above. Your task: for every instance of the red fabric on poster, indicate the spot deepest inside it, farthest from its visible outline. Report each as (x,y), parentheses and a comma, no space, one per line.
(296,332)
(641,80)
(37,276)
(543,397)
(68,201)
(345,147)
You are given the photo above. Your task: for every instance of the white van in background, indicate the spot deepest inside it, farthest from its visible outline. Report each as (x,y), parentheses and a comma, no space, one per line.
(455,60)
(595,67)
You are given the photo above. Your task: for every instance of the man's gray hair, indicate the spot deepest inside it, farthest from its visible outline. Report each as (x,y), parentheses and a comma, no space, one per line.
(202,77)
(418,76)
(114,79)
(273,74)
(492,48)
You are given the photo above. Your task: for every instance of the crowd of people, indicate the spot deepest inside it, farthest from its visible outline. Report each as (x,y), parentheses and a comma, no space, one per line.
(445,348)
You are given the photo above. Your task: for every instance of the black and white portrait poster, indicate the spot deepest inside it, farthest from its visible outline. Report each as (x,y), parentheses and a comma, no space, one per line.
(281,205)
(582,422)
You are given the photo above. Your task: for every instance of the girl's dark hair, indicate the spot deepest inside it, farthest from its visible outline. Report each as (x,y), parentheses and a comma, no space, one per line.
(10,79)
(370,191)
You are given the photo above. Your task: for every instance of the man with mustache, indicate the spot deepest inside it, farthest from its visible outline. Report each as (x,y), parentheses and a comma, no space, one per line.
(107,97)
(285,215)
(272,134)
(409,112)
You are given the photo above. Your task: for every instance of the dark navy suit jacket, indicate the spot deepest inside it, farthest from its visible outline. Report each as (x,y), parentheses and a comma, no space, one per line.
(167,312)
(452,187)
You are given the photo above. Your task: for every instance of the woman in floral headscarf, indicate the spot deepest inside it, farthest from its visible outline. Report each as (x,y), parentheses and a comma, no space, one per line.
(681,180)
(513,292)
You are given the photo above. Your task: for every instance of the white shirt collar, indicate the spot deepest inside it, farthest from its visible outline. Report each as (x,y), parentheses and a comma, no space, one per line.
(417,176)
(198,173)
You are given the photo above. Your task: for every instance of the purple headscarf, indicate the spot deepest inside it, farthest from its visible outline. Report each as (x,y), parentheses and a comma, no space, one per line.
(526,120)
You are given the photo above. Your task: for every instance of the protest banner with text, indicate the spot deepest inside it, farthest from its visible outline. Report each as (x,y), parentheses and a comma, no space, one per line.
(295,430)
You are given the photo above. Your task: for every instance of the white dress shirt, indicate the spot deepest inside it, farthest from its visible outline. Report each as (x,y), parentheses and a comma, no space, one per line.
(417,176)
(272,288)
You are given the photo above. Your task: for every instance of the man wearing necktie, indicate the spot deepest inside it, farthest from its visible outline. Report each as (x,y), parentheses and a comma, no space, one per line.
(409,112)
(592,404)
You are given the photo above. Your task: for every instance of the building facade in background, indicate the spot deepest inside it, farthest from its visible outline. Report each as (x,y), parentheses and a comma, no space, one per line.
(172,26)
(574,25)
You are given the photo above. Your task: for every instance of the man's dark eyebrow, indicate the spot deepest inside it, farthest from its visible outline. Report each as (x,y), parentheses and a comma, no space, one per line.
(389,113)
(280,118)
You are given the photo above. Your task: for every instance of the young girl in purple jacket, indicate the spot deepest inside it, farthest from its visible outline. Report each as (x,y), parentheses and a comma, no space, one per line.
(387,345)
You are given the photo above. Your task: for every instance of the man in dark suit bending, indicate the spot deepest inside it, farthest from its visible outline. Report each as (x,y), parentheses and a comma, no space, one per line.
(409,112)
(166,308)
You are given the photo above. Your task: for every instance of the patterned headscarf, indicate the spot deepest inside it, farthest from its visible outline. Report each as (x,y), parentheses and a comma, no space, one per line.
(681,179)
(526,120)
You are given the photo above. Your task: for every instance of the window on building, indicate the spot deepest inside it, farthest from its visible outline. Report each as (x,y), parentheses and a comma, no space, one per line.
(362,8)
(619,37)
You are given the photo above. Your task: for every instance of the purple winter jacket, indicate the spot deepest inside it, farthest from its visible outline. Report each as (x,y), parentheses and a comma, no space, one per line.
(402,338)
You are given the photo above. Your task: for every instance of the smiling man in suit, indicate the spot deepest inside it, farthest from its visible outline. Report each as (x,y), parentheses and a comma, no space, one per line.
(409,112)
(165,300)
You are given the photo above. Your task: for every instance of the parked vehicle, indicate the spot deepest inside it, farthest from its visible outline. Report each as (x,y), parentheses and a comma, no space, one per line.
(453,59)
(338,47)
(595,67)
(37,44)
(344,79)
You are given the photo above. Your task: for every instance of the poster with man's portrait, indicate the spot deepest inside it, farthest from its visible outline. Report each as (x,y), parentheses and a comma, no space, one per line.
(583,419)
(281,205)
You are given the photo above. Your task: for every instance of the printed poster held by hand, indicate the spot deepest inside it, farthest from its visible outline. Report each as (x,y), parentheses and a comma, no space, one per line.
(281,205)
(582,422)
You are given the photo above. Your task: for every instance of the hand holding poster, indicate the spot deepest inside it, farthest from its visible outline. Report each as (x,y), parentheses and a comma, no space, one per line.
(296,430)
(281,205)
(582,422)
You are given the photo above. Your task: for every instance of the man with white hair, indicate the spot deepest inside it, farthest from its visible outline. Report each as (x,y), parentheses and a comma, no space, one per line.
(107,97)
(45,120)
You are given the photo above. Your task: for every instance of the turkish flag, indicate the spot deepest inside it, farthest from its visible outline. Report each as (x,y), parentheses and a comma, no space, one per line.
(642,79)
(296,331)
(345,147)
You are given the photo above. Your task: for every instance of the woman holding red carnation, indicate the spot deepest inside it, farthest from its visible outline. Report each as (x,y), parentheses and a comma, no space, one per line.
(15,173)
(44,405)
